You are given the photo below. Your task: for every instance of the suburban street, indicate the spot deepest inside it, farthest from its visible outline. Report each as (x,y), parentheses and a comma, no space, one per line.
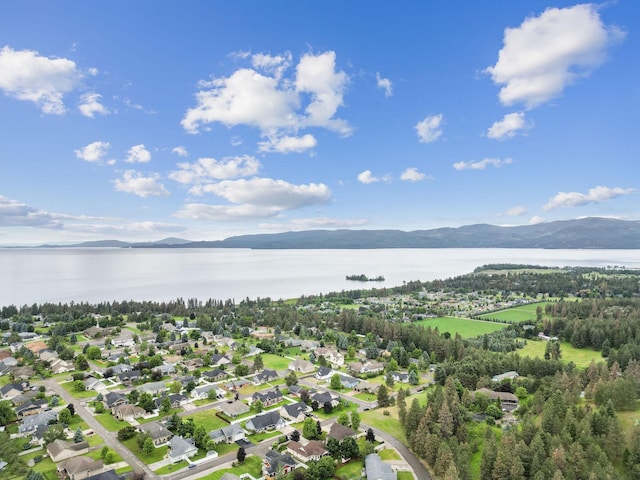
(98,429)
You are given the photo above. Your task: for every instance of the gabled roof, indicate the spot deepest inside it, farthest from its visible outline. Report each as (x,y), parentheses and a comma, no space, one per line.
(376,469)
(80,464)
(277,461)
(268,396)
(227,431)
(58,446)
(296,409)
(155,430)
(312,448)
(266,375)
(269,419)
(180,446)
(340,432)
(233,409)
(113,398)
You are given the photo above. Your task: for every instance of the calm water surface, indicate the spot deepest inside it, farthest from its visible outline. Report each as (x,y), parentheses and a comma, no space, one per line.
(93,275)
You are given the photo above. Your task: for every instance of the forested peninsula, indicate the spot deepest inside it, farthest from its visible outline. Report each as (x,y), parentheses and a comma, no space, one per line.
(509,372)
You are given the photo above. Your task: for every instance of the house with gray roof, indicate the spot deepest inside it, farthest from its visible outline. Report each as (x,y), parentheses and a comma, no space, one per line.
(277,463)
(78,468)
(30,424)
(265,376)
(154,388)
(233,408)
(158,432)
(202,392)
(113,399)
(59,450)
(301,366)
(268,398)
(295,411)
(229,433)
(376,469)
(181,449)
(324,397)
(266,421)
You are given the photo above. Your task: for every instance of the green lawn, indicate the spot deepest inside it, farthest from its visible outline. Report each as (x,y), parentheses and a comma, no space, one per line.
(155,456)
(110,423)
(207,419)
(335,412)
(580,356)
(350,470)
(389,424)
(223,448)
(524,313)
(388,454)
(68,386)
(251,465)
(405,476)
(172,467)
(367,397)
(467,328)
(275,362)
(47,468)
(259,437)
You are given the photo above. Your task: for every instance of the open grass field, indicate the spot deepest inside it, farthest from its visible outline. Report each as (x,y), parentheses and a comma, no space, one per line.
(465,327)
(386,423)
(405,476)
(580,356)
(388,454)
(275,362)
(208,420)
(251,465)
(110,423)
(350,470)
(172,467)
(524,313)
(155,456)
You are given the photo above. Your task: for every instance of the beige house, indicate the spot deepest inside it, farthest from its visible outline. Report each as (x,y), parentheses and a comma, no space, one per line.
(59,450)
(127,412)
(313,450)
(301,366)
(79,468)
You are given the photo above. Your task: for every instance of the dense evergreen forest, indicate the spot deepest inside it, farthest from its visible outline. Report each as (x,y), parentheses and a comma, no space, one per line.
(568,425)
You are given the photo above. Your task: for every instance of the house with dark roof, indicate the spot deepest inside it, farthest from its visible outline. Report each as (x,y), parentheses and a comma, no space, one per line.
(30,424)
(295,411)
(264,422)
(312,450)
(214,375)
(220,360)
(508,401)
(265,376)
(12,390)
(32,407)
(113,399)
(367,387)
(400,377)
(324,397)
(277,463)
(108,475)
(376,469)
(324,373)
(234,385)
(181,449)
(348,382)
(229,434)
(340,432)
(268,398)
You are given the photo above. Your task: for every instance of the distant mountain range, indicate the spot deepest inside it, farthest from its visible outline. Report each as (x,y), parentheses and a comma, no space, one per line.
(587,233)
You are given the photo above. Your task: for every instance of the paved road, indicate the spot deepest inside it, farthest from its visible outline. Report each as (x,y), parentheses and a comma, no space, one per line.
(109,438)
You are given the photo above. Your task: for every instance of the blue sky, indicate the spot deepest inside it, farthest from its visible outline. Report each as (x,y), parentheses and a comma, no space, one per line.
(203,120)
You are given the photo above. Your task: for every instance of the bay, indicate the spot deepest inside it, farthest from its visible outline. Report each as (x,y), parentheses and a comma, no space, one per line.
(96,275)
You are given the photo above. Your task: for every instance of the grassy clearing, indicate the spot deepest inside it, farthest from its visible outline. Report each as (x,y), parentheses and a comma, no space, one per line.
(251,465)
(387,423)
(207,419)
(387,454)
(524,313)
(580,356)
(367,397)
(405,476)
(275,362)
(467,328)
(172,467)
(259,437)
(68,386)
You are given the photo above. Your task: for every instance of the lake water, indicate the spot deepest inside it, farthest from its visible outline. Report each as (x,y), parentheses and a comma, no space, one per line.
(93,275)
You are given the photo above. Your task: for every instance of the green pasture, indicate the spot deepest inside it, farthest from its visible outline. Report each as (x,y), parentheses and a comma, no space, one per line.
(524,313)
(387,423)
(350,470)
(467,328)
(581,357)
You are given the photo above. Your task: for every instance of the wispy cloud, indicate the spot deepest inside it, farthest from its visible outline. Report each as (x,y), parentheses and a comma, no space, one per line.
(384,84)
(288,144)
(594,195)
(90,105)
(412,174)
(367,177)
(482,164)
(208,170)
(514,212)
(181,151)
(430,129)
(549,52)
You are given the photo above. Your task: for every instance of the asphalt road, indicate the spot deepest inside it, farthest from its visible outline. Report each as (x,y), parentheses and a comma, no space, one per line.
(109,438)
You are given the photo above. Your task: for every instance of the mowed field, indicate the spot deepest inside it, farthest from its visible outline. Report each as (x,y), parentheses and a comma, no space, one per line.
(525,313)
(467,328)
(580,356)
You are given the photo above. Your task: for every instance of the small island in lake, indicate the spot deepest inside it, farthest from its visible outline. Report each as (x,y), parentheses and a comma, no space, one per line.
(363,278)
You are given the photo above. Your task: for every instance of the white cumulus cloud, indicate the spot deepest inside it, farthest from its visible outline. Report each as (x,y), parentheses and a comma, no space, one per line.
(288,144)
(140,185)
(482,164)
(549,52)
(508,127)
(94,152)
(17,214)
(138,154)
(266,98)
(430,129)
(594,195)
(90,105)
(206,170)
(26,75)
(385,84)
(412,174)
